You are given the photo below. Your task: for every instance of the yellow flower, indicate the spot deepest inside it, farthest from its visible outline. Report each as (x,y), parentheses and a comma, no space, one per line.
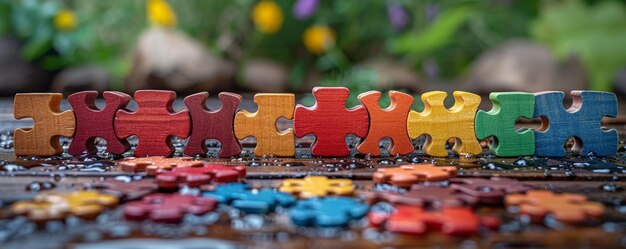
(267,17)
(318,39)
(161,14)
(65,20)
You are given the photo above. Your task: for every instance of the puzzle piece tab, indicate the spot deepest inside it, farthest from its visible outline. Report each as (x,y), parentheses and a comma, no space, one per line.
(387,123)
(440,123)
(414,220)
(240,196)
(198,176)
(154,123)
(92,122)
(207,124)
(262,124)
(330,121)
(425,196)
(581,120)
(317,186)
(49,206)
(490,191)
(407,175)
(155,163)
(49,124)
(167,208)
(327,212)
(500,123)
(567,208)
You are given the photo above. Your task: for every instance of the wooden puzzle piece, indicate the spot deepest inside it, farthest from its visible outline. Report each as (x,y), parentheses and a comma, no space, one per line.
(327,212)
(425,196)
(49,124)
(262,124)
(198,176)
(441,124)
(154,163)
(500,123)
(317,186)
(567,208)
(207,124)
(581,120)
(330,121)
(407,175)
(240,196)
(414,220)
(49,206)
(387,123)
(489,191)
(92,122)
(125,191)
(154,123)
(167,208)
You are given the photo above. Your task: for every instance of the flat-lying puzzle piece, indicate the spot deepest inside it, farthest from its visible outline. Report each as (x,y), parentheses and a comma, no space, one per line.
(92,122)
(262,124)
(49,124)
(48,206)
(440,123)
(581,120)
(567,208)
(407,175)
(240,196)
(155,163)
(317,186)
(125,191)
(327,212)
(387,123)
(425,196)
(500,123)
(490,191)
(218,125)
(154,123)
(198,176)
(330,121)
(414,220)
(169,208)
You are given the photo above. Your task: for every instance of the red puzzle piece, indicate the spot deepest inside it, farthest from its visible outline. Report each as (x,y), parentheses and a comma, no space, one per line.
(414,220)
(197,176)
(490,191)
(92,122)
(154,123)
(208,124)
(167,207)
(425,196)
(330,121)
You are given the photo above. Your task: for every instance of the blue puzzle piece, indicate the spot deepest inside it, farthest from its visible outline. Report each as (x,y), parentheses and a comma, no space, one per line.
(240,196)
(327,212)
(581,121)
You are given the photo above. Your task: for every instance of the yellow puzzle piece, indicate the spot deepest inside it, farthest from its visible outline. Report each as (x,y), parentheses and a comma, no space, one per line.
(317,186)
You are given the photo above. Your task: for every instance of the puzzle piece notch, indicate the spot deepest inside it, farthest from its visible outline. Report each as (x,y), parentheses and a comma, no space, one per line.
(154,123)
(207,124)
(242,197)
(327,212)
(387,123)
(435,121)
(489,191)
(50,123)
(167,208)
(407,175)
(330,121)
(414,220)
(500,123)
(582,121)
(198,176)
(262,124)
(567,208)
(155,163)
(49,206)
(317,186)
(425,196)
(92,122)
(125,191)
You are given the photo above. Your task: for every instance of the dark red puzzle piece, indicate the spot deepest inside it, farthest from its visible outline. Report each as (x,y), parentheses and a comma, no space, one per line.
(197,176)
(126,191)
(414,220)
(490,191)
(425,196)
(169,208)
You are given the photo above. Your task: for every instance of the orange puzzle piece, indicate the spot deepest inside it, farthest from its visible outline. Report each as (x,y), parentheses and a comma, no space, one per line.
(152,164)
(567,208)
(389,122)
(440,123)
(262,124)
(49,124)
(407,175)
(317,186)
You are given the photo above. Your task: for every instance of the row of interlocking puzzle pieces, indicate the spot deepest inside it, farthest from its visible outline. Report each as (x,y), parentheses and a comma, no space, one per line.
(329,120)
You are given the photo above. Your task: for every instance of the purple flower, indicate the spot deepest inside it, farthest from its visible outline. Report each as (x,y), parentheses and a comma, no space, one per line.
(398,17)
(304,9)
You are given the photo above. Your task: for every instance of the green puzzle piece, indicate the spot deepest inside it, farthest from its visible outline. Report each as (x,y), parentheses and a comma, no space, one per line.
(500,123)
